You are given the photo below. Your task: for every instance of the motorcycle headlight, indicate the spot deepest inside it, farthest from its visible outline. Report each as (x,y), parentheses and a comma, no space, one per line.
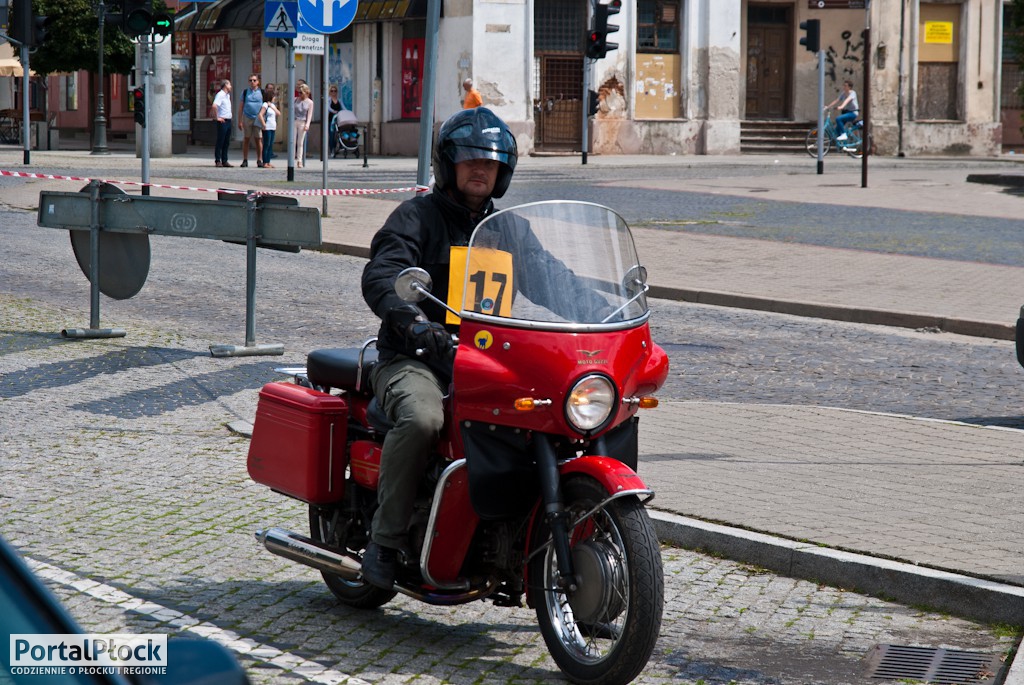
(590,403)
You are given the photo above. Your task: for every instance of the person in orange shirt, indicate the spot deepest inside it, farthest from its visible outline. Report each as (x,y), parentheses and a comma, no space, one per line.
(473,98)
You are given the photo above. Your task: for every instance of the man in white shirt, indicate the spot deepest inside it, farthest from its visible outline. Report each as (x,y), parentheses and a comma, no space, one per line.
(222,112)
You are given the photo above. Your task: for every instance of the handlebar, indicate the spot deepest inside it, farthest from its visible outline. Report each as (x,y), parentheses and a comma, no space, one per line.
(420,351)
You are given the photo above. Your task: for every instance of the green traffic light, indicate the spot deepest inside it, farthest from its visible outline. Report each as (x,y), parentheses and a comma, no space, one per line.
(139,22)
(162,24)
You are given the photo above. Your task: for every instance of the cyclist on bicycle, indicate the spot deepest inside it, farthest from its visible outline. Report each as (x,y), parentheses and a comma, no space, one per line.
(849,108)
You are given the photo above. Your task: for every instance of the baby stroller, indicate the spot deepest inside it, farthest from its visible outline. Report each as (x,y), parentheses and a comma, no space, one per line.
(346,133)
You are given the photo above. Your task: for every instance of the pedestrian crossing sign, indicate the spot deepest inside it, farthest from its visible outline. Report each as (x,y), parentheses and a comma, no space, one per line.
(280,18)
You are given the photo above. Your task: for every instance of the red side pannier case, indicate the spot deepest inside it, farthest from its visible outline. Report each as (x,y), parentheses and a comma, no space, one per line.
(298,442)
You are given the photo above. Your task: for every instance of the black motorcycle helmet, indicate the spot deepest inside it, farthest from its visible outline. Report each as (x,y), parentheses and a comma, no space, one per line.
(474,134)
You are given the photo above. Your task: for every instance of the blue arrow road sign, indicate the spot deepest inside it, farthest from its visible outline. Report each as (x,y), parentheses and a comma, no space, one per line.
(280,18)
(327,16)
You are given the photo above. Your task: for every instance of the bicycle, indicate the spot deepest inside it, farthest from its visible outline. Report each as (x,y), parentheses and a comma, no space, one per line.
(853,145)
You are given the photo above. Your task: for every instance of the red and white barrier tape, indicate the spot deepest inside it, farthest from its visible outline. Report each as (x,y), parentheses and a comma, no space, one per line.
(308,191)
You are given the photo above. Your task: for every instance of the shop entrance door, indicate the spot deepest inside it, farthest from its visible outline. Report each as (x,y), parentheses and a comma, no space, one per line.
(560,33)
(768,62)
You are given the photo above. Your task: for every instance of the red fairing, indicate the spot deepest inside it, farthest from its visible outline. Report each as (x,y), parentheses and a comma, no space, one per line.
(615,476)
(655,372)
(495,365)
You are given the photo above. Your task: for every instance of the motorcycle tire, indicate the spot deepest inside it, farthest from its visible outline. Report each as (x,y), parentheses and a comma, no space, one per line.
(356,594)
(605,632)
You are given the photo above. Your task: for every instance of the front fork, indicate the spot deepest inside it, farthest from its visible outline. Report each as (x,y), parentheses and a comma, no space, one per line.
(554,510)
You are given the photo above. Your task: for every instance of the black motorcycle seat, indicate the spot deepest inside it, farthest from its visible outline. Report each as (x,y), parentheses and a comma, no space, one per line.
(339,368)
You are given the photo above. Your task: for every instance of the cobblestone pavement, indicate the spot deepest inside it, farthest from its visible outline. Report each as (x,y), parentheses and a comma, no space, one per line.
(129,481)
(118,470)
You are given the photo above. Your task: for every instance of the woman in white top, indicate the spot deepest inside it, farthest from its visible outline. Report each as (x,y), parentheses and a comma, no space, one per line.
(268,122)
(302,116)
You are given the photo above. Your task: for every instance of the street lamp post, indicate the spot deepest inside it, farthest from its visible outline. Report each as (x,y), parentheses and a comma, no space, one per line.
(100,122)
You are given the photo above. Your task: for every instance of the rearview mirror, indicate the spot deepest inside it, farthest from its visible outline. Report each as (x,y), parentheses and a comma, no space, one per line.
(413,284)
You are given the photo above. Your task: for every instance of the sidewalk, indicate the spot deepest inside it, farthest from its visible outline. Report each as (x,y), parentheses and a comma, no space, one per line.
(924,512)
(848,285)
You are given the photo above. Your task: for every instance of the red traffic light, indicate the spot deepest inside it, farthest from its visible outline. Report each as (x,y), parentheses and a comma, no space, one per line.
(139,105)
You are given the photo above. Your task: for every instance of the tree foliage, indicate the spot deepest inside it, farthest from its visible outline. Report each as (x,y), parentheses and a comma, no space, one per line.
(72,39)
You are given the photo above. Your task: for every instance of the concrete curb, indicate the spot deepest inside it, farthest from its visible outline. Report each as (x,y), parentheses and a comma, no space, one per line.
(972,598)
(881,317)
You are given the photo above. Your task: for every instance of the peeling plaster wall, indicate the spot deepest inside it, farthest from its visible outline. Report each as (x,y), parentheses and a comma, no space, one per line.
(894,73)
(721,54)
(494,49)
(709,87)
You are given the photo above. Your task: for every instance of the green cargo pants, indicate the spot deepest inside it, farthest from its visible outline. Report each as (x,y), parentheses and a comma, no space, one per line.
(413,399)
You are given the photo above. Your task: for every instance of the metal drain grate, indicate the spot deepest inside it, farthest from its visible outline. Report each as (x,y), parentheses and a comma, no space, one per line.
(930,665)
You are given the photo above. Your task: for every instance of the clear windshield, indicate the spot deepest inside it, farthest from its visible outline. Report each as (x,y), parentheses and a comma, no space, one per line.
(553,264)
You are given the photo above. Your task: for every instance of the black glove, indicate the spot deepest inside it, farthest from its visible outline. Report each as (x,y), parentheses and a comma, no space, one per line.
(409,324)
(432,338)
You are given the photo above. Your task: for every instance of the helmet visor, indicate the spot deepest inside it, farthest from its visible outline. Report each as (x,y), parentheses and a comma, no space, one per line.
(468,142)
(463,153)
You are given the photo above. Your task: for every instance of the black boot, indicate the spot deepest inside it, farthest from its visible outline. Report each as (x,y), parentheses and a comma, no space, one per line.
(379,565)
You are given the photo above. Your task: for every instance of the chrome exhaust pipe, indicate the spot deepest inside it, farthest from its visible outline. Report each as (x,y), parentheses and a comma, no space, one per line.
(295,547)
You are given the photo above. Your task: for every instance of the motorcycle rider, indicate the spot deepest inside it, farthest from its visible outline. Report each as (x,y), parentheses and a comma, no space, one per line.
(473,162)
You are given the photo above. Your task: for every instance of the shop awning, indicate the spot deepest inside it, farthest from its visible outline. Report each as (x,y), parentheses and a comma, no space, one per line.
(390,10)
(210,16)
(9,64)
(248,14)
(10,67)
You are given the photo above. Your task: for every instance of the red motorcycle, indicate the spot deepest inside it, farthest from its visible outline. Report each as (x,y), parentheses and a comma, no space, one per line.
(532,491)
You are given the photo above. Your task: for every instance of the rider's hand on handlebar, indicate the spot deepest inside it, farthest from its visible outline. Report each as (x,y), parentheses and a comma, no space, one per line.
(430,337)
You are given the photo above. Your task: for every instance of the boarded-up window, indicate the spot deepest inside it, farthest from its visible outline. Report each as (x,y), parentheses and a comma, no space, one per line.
(656,93)
(938,66)
(657,60)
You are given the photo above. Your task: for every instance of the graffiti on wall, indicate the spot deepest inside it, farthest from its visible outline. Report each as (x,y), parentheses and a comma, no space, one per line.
(845,60)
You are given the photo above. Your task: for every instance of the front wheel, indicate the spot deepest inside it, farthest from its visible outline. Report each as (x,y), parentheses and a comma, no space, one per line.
(327,525)
(604,632)
(812,143)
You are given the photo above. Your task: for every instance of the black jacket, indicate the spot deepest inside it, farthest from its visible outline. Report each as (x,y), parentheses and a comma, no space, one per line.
(420,232)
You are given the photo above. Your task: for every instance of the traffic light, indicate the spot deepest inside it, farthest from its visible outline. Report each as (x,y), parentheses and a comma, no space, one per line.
(595,44)
(20,22)
(25,27)
(162,24)
(597,40)
(139,105)
(612,8)
(137,18)
(811,41)
(39,27)
(592,103)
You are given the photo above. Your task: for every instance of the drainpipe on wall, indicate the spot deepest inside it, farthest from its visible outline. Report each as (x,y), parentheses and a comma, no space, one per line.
(900,79)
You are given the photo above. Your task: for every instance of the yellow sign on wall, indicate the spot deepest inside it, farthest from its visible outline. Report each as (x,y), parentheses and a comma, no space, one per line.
(938,32)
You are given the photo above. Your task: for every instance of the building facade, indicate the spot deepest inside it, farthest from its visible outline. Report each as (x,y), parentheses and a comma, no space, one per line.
(685,78)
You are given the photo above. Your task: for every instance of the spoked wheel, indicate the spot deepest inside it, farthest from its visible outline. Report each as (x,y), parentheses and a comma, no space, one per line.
(812,144)
(856,147)
(605,631)
(325,527)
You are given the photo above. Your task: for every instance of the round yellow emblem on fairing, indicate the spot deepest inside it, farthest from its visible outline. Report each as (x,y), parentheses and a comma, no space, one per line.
(483,340)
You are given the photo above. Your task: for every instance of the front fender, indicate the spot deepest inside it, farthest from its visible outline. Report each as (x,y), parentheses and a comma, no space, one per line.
(617,478)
